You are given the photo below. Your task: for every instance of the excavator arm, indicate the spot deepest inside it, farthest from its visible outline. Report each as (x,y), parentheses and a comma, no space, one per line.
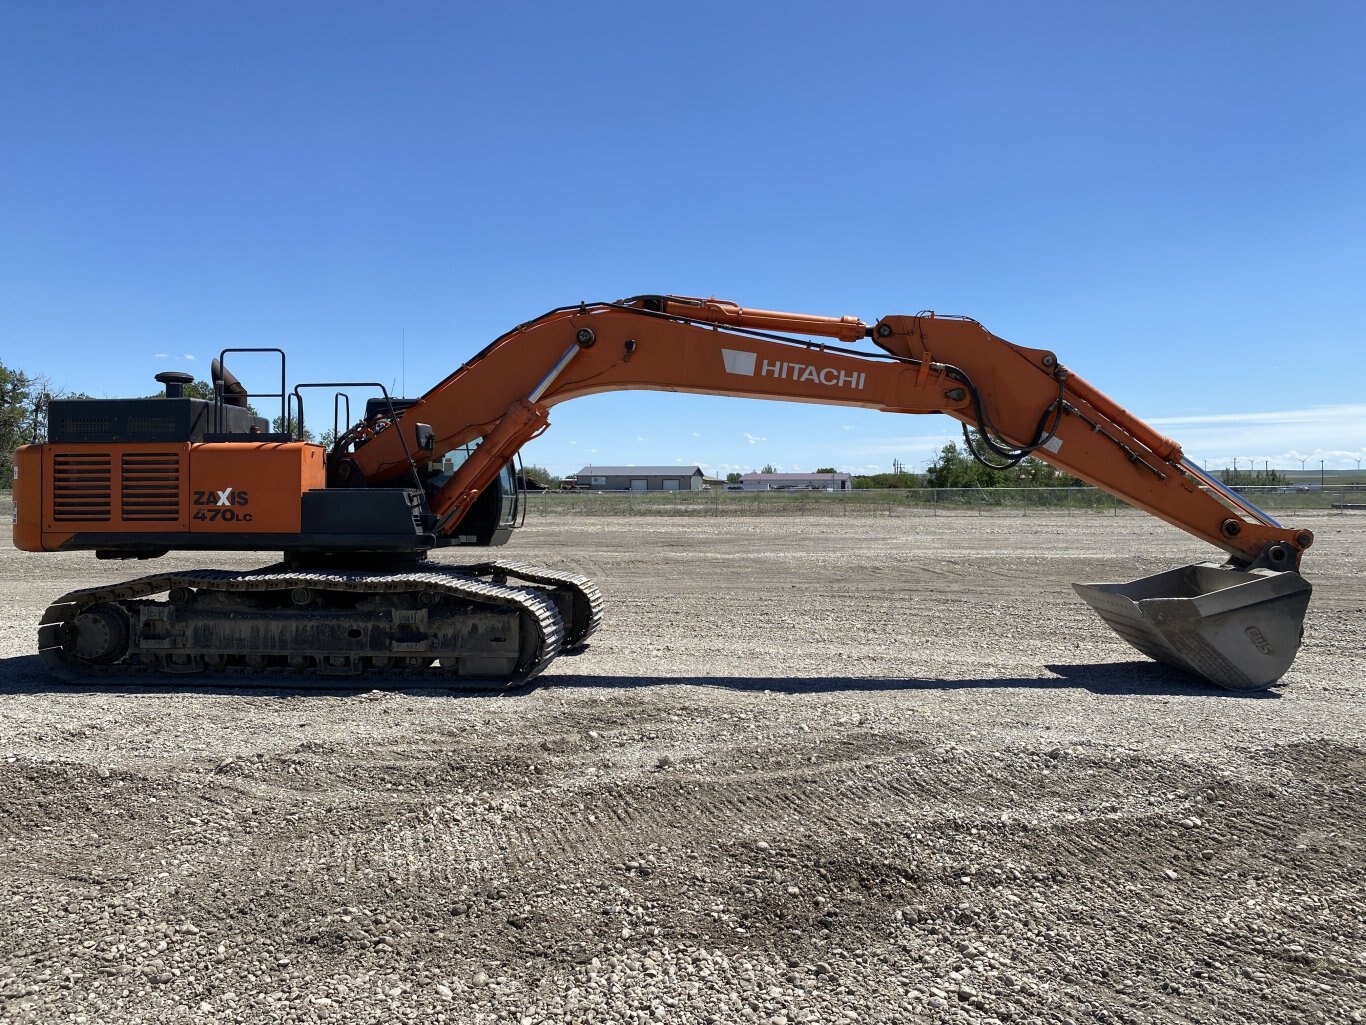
(1238,625)
(1021,400)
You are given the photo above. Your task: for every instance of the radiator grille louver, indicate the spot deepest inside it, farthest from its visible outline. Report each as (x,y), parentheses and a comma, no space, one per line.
(150,491)
(150,427)
(81,487)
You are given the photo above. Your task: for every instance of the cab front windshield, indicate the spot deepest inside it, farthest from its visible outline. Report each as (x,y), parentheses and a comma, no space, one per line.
(439,471)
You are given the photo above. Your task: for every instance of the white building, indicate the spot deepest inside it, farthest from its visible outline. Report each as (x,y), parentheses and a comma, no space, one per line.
(796,482)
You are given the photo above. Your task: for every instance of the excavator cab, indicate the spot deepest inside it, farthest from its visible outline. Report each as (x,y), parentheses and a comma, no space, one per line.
(495,513)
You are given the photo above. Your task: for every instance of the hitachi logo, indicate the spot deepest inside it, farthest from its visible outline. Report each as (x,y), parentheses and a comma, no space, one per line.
(746,363)
(1259,640)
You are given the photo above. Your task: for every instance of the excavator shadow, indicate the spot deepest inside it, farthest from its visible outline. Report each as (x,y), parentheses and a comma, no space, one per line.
(1135,677)
(27,674)
(1141,677)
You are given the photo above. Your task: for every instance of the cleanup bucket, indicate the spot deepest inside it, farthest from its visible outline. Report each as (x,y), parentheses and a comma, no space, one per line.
(1239,629)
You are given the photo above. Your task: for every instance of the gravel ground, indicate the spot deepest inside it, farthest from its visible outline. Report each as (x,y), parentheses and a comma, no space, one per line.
(830,770)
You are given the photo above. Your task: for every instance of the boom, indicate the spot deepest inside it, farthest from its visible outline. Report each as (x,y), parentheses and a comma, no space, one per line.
(1022,400)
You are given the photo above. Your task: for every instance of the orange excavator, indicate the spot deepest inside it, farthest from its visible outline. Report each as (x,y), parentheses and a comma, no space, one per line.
(355,600)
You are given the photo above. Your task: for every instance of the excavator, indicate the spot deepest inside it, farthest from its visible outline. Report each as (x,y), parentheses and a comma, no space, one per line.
(357,600)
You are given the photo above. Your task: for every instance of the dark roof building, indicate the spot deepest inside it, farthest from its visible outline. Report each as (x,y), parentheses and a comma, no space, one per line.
(640,478)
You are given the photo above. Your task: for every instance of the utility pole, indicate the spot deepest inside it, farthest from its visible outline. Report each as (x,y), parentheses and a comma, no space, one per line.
(1320,474)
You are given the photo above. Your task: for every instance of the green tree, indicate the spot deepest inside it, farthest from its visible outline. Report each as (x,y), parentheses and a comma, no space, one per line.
(768,468)
(1253,478)
(888,481)
(291,426)
(734,477)
(541,474)
(23,415)
(193,390)
(826,469)
(956,468)
(17,409)
(1035,473)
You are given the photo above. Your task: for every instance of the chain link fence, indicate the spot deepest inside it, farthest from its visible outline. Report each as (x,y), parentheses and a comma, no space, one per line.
(921,502)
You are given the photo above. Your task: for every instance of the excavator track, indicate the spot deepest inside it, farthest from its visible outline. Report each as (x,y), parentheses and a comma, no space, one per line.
(583,617)
(461,627)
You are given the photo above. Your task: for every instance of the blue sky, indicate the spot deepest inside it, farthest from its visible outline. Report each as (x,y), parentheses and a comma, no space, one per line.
(1169,195)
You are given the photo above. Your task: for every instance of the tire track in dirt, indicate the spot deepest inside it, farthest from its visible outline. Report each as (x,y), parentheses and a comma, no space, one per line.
(788,805)
(1000,835)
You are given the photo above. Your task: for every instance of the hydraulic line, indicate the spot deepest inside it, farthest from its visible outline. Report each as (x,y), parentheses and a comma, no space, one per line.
(1013,456)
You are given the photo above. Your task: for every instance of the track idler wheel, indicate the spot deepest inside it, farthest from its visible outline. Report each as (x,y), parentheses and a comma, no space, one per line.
(99,634)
